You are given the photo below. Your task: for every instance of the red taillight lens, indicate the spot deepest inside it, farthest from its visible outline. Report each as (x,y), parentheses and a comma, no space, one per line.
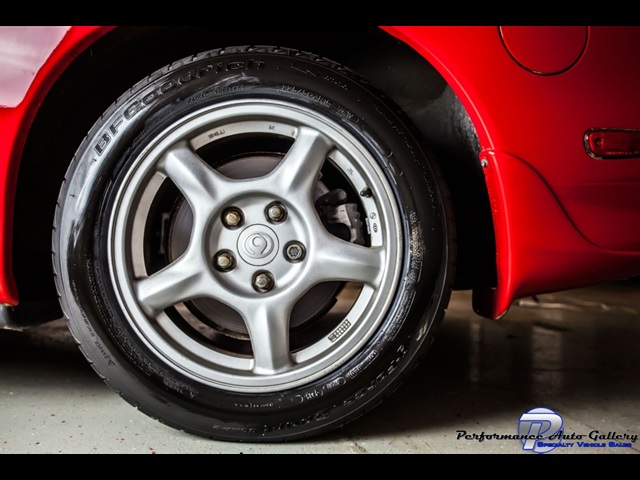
(612,143)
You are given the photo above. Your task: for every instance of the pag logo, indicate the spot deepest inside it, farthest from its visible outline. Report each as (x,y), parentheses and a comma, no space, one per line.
(542,430)
(538,424)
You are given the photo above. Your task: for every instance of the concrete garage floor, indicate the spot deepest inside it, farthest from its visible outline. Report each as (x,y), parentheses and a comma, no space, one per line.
(575,353)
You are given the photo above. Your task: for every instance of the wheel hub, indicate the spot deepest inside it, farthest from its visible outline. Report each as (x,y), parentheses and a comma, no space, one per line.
(258,245)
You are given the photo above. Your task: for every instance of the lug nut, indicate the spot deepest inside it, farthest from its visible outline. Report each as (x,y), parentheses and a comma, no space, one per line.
(294,251)
(225,261)
(263,282)
(232,218)
(276,212)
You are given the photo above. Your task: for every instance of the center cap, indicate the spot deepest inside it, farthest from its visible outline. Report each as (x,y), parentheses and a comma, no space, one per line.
(258,245)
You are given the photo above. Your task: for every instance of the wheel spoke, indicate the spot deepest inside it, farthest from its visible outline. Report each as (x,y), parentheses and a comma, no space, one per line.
(268,325)
(298,172)
(199,183)
(184,279)
(337,259)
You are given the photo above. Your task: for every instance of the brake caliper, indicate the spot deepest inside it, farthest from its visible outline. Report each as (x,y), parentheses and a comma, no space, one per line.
(342,219)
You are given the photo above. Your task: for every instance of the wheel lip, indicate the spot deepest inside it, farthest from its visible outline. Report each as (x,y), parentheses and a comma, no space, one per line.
(390,280)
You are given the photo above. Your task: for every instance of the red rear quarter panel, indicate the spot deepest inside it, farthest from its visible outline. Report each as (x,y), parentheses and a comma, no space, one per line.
(562,218)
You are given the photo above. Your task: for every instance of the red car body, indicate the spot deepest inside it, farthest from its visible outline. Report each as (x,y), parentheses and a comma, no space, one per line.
(562,217)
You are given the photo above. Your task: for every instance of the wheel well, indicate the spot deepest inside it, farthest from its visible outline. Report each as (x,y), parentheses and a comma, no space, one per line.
(127,54)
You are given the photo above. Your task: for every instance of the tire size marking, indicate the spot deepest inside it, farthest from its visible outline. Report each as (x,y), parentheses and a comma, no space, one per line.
(305,93)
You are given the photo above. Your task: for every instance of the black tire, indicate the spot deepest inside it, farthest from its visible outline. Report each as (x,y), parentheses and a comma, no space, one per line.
(219,315)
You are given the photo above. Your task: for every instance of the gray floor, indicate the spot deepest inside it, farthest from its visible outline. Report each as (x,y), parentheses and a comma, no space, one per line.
(575,353)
